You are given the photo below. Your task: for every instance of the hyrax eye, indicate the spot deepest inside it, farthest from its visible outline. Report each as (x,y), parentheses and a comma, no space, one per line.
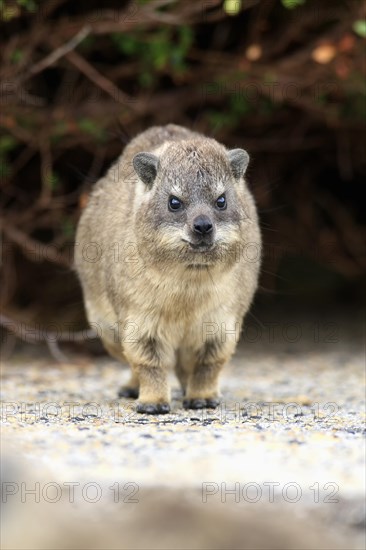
(221,202)
(174,203)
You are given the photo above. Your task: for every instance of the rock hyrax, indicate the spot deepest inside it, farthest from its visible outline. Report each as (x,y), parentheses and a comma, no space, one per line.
(168,254)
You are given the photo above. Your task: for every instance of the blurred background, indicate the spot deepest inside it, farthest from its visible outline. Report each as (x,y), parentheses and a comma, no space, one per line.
(284,79)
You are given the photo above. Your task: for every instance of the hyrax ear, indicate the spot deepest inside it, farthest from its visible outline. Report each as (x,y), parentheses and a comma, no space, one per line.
(239,160)
(146,166)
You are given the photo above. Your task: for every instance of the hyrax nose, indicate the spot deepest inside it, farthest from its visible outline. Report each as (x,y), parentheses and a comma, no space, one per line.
(202,225)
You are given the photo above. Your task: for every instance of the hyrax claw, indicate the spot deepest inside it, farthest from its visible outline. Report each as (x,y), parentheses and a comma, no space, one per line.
(153,408)
(201,403)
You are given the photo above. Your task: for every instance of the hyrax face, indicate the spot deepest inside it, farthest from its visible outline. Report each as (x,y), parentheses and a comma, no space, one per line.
(194,202)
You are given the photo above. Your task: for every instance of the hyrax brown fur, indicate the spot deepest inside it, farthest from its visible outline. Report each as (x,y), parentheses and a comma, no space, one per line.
(168,254)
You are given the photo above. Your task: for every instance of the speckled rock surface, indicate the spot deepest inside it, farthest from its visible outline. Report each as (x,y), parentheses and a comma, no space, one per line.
(289,432)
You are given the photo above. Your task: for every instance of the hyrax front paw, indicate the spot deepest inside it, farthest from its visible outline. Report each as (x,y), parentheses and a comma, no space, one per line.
(153,408)
(200,403)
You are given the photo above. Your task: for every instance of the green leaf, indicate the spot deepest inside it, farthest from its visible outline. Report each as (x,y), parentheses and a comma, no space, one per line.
(7,143)
(8,13)
(16,56)
(146,79)
(185,37)
(68,228)
(292,4)
(87,43)
(232,7)
(125,43)
(52,180)
(239,105)
(359,27)
(4,168)
(218,120)
(29,5)
(58,131)
(89,127)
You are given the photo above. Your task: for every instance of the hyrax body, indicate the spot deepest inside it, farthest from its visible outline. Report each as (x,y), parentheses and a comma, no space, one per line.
(168,253)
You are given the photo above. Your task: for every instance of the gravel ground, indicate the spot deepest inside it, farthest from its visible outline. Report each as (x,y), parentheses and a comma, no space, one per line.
(287,441)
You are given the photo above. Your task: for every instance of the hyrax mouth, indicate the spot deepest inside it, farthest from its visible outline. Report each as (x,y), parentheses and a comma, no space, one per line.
(197,266)
(199,255)
(201,246)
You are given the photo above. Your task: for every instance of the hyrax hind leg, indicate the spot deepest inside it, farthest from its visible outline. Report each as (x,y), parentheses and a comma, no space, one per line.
(101,315)
(131,389)
(182,369)
(202,388)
